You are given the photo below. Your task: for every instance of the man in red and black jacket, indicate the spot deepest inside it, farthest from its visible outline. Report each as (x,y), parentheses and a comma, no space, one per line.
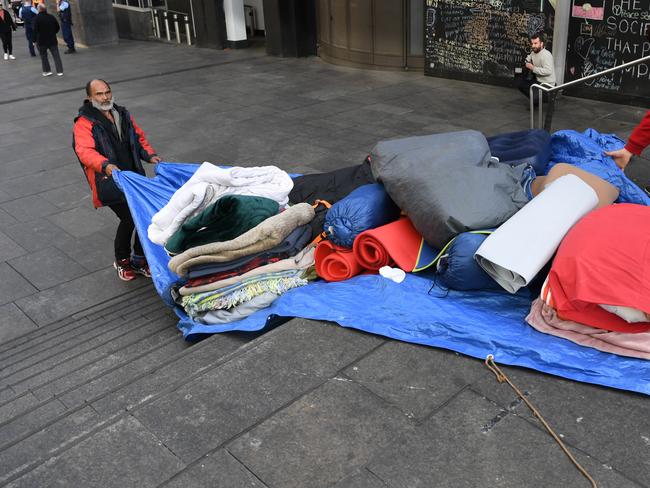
(638,141)
(107,139)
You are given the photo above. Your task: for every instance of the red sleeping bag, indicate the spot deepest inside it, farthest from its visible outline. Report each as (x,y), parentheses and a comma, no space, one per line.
(604,259)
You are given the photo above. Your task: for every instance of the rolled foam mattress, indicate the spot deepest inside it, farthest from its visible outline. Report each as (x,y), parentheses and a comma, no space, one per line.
(519,249)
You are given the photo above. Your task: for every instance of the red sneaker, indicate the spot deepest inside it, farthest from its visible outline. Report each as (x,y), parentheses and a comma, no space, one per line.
(124,269)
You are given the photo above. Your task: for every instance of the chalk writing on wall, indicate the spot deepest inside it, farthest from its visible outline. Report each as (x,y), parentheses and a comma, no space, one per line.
(480,38)
(620,37)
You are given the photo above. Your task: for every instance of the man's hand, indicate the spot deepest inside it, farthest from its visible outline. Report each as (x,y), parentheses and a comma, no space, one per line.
(109,169)
(155,160)
(621,157)
(530,66)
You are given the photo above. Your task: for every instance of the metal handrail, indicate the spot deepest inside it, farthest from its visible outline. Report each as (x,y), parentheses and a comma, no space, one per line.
(546,88)
(175,19)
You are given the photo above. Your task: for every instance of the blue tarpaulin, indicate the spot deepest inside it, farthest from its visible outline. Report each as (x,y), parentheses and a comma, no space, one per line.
(417,311)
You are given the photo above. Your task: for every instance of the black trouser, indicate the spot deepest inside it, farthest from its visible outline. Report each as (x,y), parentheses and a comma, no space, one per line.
(46,62)
(524,87)
(7,45)
(125,231)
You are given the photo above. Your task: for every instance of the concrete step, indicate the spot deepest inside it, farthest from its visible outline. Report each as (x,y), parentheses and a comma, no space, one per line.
(104,349)
(87,335)
(29,343)
(44,428)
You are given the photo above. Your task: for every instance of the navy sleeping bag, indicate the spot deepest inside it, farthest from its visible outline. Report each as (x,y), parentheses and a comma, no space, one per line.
(457,269)
(367,207)
(524,147)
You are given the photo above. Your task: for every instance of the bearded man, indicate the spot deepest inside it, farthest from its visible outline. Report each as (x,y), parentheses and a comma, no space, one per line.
(539,66)
(107,139)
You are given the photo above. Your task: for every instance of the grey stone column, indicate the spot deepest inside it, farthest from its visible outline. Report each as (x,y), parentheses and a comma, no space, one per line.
(93,21)
(560,37)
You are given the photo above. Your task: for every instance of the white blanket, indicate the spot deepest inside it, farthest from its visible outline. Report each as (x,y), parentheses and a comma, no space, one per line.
(210,183)
(519,249)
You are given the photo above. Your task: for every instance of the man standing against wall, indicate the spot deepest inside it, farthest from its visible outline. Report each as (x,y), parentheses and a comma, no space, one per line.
(539,64)
(27,13)
(65,14)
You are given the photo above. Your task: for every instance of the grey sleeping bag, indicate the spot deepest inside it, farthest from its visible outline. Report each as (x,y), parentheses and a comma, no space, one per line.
(446,183)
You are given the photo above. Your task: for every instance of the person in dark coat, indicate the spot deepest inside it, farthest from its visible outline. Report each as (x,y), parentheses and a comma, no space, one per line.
(45,27)
(65,14)
(106,139)
(7,26)
(27,13)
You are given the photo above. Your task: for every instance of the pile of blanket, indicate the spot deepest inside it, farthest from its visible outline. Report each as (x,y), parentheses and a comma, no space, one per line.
(235,241)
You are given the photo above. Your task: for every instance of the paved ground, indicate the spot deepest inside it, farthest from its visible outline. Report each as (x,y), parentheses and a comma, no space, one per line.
(98,389)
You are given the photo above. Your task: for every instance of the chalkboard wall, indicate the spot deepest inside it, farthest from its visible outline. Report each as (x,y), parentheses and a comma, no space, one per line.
(482,40)
(614,34)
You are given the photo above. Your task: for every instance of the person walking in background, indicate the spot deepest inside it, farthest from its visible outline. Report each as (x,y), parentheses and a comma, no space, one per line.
(45,28)
(27,13)
(638,141)
(7,26)
(65,14)
(106,139)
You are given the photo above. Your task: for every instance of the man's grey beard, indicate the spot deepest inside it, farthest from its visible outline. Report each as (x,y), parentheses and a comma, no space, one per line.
(103,106)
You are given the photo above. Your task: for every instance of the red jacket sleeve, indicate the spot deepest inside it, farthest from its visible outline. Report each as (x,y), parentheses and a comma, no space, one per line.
(640,138)
(143,141)
(84,145)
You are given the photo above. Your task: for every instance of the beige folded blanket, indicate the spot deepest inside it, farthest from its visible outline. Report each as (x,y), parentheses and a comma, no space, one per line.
(303,260)
(261,238)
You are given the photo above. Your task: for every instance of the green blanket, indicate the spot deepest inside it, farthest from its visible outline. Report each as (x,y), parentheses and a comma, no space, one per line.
(227,218)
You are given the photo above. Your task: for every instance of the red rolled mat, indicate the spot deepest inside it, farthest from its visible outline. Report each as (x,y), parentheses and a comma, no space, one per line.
(335,263)
(395,243)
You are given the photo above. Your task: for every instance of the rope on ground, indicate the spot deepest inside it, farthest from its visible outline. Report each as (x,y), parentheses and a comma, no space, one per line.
(502,378)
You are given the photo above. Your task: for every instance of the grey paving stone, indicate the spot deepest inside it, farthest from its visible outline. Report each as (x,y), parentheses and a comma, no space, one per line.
(29,208)
(6,395)
(93,252)
(285,364)
(322,438)
(80,221)
(9,248)
(584,415)
(63,300)
(216,470)
(203,356)
(472,442)
(13,286)
(18,426)
(37,234)
(360,479)
(18,164)
(70,196)
(416,379)
(4,196)
(47,268)
(130,457)
(39,182)
(13,322)
(18,405)
(126,372)
(6,219)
